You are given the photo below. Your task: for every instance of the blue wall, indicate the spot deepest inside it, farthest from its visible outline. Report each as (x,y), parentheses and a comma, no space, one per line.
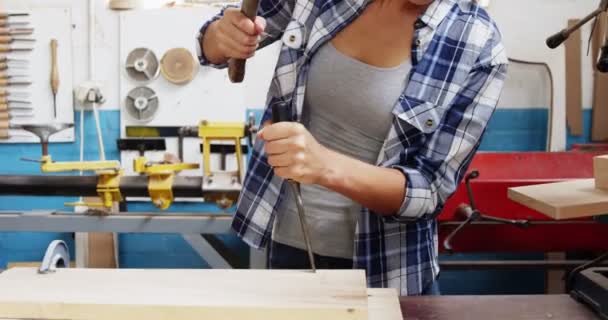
(509,130)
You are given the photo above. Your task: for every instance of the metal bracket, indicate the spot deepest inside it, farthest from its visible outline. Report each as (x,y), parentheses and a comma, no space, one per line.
(57,256)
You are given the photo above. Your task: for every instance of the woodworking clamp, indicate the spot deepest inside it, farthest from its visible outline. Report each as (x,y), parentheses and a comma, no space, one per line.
(108,172)
(228,184)
(160,179)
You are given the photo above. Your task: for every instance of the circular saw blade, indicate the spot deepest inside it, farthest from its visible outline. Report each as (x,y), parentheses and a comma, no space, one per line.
(142,104)
(142,65)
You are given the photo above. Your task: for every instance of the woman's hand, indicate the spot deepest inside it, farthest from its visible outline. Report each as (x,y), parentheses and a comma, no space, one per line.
(232,36)
(294,153)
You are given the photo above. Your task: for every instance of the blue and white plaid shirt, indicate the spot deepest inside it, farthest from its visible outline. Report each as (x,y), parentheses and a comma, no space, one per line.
(459,67)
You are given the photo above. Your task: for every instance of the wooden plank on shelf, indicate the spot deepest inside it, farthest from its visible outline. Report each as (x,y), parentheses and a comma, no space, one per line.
(600,172)
(563,200)
(126,294)
(599,122)
(574,82)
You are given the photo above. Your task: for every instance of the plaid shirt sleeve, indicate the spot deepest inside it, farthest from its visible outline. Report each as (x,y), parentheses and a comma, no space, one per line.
(433,173)
(277,14)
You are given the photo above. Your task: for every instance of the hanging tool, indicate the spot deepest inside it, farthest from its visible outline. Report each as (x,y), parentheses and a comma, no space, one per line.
(8,82)
(54,75)
(7,76)
(236,67)
(8,48)
(6,100)
(142,104)
(13,94)
(9,115)
(5,23)
(11,39)
(280,114)
(13,14)
(6,134)
(6,62)
(16,31)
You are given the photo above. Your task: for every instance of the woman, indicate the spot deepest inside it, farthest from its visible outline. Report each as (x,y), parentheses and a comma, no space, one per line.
(390,99)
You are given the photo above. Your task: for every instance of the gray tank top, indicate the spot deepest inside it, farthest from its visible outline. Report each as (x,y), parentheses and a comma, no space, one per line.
(348,108)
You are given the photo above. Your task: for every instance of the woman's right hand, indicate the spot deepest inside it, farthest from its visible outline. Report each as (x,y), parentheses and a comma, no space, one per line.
(232,36)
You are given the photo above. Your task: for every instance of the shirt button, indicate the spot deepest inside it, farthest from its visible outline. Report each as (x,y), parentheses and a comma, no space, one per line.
(429,123)
(419,24)
(418,42)
(292,38)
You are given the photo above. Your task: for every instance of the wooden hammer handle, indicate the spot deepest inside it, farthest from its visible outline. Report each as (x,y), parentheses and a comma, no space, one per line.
(236,67)
(54,70)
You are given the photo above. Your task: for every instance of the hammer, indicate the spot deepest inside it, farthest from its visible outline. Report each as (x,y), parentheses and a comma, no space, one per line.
(236,67)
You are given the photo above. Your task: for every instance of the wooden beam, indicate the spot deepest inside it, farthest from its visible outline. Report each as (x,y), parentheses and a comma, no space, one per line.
(599,125)
(126,294)
(574,82)
(383,304)
(600,172)
(563,200)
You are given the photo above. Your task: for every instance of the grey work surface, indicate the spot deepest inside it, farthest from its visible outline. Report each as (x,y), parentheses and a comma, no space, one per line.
(521,307)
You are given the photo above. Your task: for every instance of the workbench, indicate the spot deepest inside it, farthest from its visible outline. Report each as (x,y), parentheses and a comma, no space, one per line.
(528,307)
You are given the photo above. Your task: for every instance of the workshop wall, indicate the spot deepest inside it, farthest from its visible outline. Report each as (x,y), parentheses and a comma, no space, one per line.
(520,124)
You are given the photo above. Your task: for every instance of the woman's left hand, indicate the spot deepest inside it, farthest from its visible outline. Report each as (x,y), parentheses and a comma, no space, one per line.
(294,153)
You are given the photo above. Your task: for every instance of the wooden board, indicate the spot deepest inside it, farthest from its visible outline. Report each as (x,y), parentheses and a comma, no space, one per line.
(574,82)
(563,200)
(599,123)
(383,304)
(126,294)
(600,171)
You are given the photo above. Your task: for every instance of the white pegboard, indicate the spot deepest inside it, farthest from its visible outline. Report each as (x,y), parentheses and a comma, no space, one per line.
(209,96)
(49,23)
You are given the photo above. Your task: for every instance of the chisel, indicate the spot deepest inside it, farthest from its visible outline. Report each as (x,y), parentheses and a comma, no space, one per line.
(5,23)
(11,39)
(16,31)
(5,82)
(6,62)
(4,100)
(9,115)
(13,106)
(13,94)
(5,48)
(5,15)
(54,75)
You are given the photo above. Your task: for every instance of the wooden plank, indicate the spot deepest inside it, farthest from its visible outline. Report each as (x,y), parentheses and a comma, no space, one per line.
(126,294)
(600,172)
(574,80)
(599,123)
(563,200)
(383,304)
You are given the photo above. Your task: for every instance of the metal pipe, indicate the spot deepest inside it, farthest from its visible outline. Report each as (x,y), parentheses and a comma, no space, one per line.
(513,264)
(85,186)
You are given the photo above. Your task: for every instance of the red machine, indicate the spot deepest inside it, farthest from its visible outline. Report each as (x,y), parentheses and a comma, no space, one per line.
(518,229)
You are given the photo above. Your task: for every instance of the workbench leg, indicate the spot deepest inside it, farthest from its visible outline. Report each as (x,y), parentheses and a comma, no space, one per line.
(555,283)
(206,251)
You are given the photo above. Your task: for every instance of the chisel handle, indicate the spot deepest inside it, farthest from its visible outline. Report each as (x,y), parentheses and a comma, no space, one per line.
(54,70)
(3,92)
(4,124)
(5,48)
(3,99)
(4,82)
(5,31)
(4,116)
(4,134)
(236,67)
(3,66)
(3,107)
(6,39)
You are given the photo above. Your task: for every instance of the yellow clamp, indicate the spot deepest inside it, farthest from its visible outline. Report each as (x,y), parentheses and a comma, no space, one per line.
(108,190)
(160,183)
(47,165)
(222,131)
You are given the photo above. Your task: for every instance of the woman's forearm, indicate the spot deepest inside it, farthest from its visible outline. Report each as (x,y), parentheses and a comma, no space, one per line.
(382,190)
